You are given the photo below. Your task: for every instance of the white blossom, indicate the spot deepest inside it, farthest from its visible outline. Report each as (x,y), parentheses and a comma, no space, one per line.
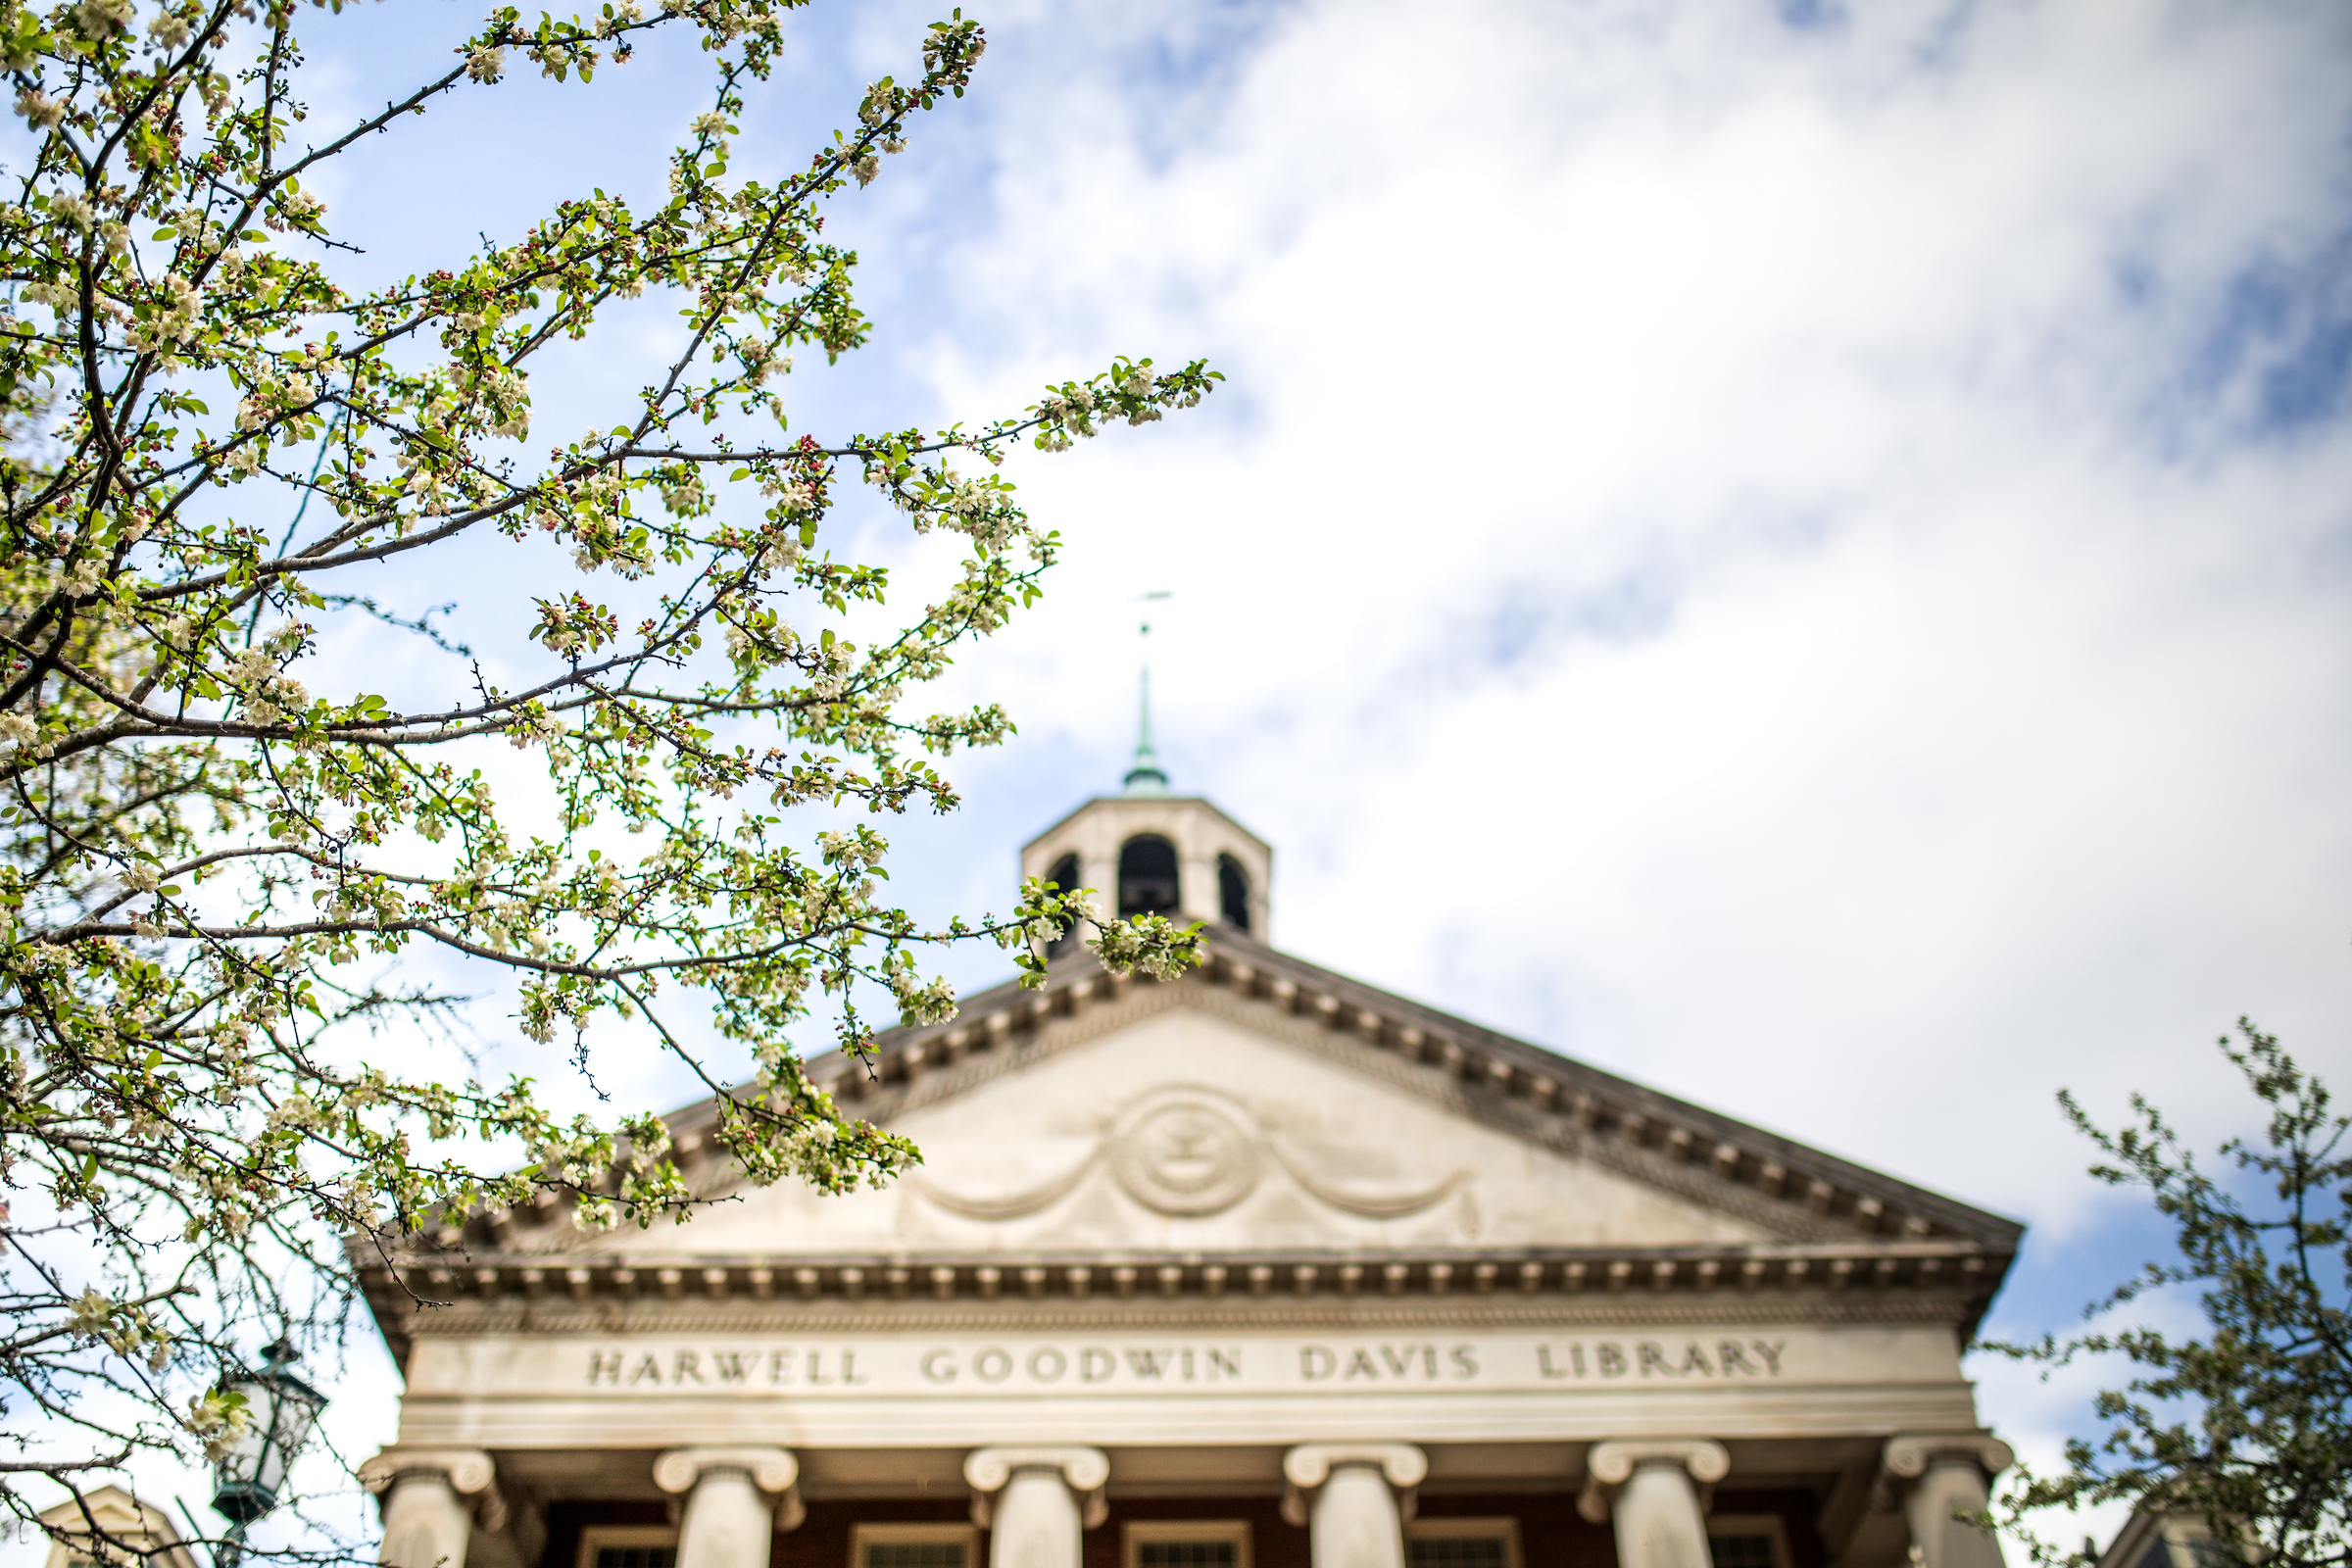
(101,20)
(41,111)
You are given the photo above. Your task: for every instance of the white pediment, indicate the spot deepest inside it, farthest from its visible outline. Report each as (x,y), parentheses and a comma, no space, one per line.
(1185,1130)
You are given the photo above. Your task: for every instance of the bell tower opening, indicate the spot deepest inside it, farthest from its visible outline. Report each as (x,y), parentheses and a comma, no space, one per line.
(1148,882)
(1233,892)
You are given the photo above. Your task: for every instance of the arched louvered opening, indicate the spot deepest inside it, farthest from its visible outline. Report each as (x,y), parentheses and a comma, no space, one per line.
(1233,892)
(1064,877)
(1147,876)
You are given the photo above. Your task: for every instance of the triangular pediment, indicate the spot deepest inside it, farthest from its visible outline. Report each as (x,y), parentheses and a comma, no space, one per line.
(1265,1105)
(1191,1128)
(1259,1121)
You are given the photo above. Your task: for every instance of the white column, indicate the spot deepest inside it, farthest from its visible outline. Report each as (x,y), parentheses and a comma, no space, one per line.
(1196,886)
(1101,873)
(731,1518)
(1942,1475)
(1354,1499)
(1650,1491)
(429,1498)
(1035,1502)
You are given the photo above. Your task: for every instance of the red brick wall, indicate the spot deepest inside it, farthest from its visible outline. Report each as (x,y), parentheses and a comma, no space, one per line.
(1551,1534)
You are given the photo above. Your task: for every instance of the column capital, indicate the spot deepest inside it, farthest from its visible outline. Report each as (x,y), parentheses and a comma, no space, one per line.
(772,1470)
(468,1471)
(776,1472)
(1611,1464)
(987,1469)
(1907,1457)
(1084,1470)
(1311,1464)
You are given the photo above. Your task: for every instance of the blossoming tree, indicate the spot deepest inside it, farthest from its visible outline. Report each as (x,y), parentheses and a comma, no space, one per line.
(2237,1418)
(224,857)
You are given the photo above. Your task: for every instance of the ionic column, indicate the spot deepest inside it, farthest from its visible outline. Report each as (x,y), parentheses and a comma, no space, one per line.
(431,1496)
(731,1514)
(1035,1502)
(1354,1499)
(1939,1475)
(1650,1488)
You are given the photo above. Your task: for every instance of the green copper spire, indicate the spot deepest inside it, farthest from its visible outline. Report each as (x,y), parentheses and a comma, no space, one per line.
(1144,777)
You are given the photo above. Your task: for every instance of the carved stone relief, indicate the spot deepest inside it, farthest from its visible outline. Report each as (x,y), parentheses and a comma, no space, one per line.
(1187,1150)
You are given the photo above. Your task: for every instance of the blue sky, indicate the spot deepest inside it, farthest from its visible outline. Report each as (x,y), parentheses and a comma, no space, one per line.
(1801,554)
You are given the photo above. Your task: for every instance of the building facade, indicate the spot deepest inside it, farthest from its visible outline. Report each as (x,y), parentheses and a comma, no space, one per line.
(105,1527)
(1258,1268)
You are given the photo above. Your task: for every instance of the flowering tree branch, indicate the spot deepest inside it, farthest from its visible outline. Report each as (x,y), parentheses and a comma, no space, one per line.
(2247,1425)
(220,852)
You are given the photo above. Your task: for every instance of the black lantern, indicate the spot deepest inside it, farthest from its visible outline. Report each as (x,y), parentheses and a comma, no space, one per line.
(280,1410)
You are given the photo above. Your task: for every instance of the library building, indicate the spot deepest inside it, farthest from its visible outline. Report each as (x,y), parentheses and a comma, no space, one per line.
(1262,1267)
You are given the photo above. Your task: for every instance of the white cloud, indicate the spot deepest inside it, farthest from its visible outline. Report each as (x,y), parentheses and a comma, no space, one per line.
(1751,549)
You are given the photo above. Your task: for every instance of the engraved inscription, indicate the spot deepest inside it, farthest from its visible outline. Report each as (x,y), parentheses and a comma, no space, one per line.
(1272,1363)
(1686,1358)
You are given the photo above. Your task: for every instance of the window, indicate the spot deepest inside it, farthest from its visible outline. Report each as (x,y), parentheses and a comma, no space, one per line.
(1748,1541)
(911,1547)
(629,1546)
(1186,1544)
(1064,877)
(1147,876)
(1233,892)
(1463,1544)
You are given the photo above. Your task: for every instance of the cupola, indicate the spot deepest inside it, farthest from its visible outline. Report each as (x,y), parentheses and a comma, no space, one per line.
(1159,853)
(1151,850)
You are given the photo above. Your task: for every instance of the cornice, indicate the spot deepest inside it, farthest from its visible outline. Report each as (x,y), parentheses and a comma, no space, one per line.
(1886,1282)
(512,1316)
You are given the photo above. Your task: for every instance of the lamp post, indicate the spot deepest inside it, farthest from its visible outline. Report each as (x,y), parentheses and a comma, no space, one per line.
(280,1410)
